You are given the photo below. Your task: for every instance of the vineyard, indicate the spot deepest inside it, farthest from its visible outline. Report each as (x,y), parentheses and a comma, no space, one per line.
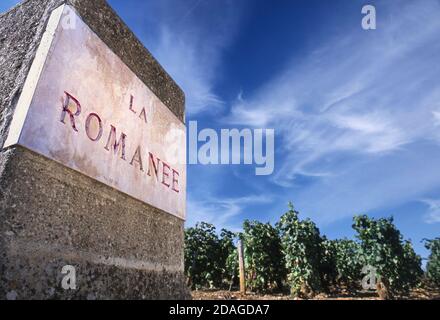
(292,258)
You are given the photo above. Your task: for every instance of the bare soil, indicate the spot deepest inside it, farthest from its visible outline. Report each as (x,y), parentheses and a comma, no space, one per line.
(417,294)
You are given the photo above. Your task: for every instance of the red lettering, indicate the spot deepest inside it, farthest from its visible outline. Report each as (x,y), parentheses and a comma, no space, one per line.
(175,181)
(165,174)
(88,127)
(131,104)
(66,110)
(138,158)
(116,146)
(155,166)
(94,131)
(143,115)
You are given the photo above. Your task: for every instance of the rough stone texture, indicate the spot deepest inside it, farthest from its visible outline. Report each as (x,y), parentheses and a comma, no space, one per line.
(51,216)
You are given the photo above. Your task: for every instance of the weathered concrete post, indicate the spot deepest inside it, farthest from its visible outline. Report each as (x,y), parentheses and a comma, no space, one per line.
(92,163)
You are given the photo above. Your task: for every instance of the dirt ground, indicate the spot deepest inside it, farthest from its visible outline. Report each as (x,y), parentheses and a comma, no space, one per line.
(417,294)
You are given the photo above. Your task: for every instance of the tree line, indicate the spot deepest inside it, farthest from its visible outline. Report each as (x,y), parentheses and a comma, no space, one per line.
(293,255)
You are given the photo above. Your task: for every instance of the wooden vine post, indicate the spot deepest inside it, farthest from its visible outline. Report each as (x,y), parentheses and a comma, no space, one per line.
(242,268)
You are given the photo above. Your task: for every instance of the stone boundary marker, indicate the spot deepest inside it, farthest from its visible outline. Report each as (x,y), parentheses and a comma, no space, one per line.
(92,162)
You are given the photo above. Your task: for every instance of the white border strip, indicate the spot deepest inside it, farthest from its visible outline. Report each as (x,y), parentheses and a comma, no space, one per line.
(32,78)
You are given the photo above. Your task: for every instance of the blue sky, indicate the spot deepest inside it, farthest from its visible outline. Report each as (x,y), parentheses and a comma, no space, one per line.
(356,113)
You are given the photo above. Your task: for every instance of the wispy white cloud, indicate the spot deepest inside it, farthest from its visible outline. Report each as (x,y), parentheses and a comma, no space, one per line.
(433,214)
(359,100)
(436,115)
(189,39)
(221,211)
(349,116)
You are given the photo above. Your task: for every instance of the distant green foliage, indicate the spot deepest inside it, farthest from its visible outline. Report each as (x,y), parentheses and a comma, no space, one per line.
(433,266)
(301,245)
(348,262)
(382,247)
(209,259)
(295,255)
(411,271)
(328,266)
(229,257)
(202,250)
(341,264)
(263,257)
